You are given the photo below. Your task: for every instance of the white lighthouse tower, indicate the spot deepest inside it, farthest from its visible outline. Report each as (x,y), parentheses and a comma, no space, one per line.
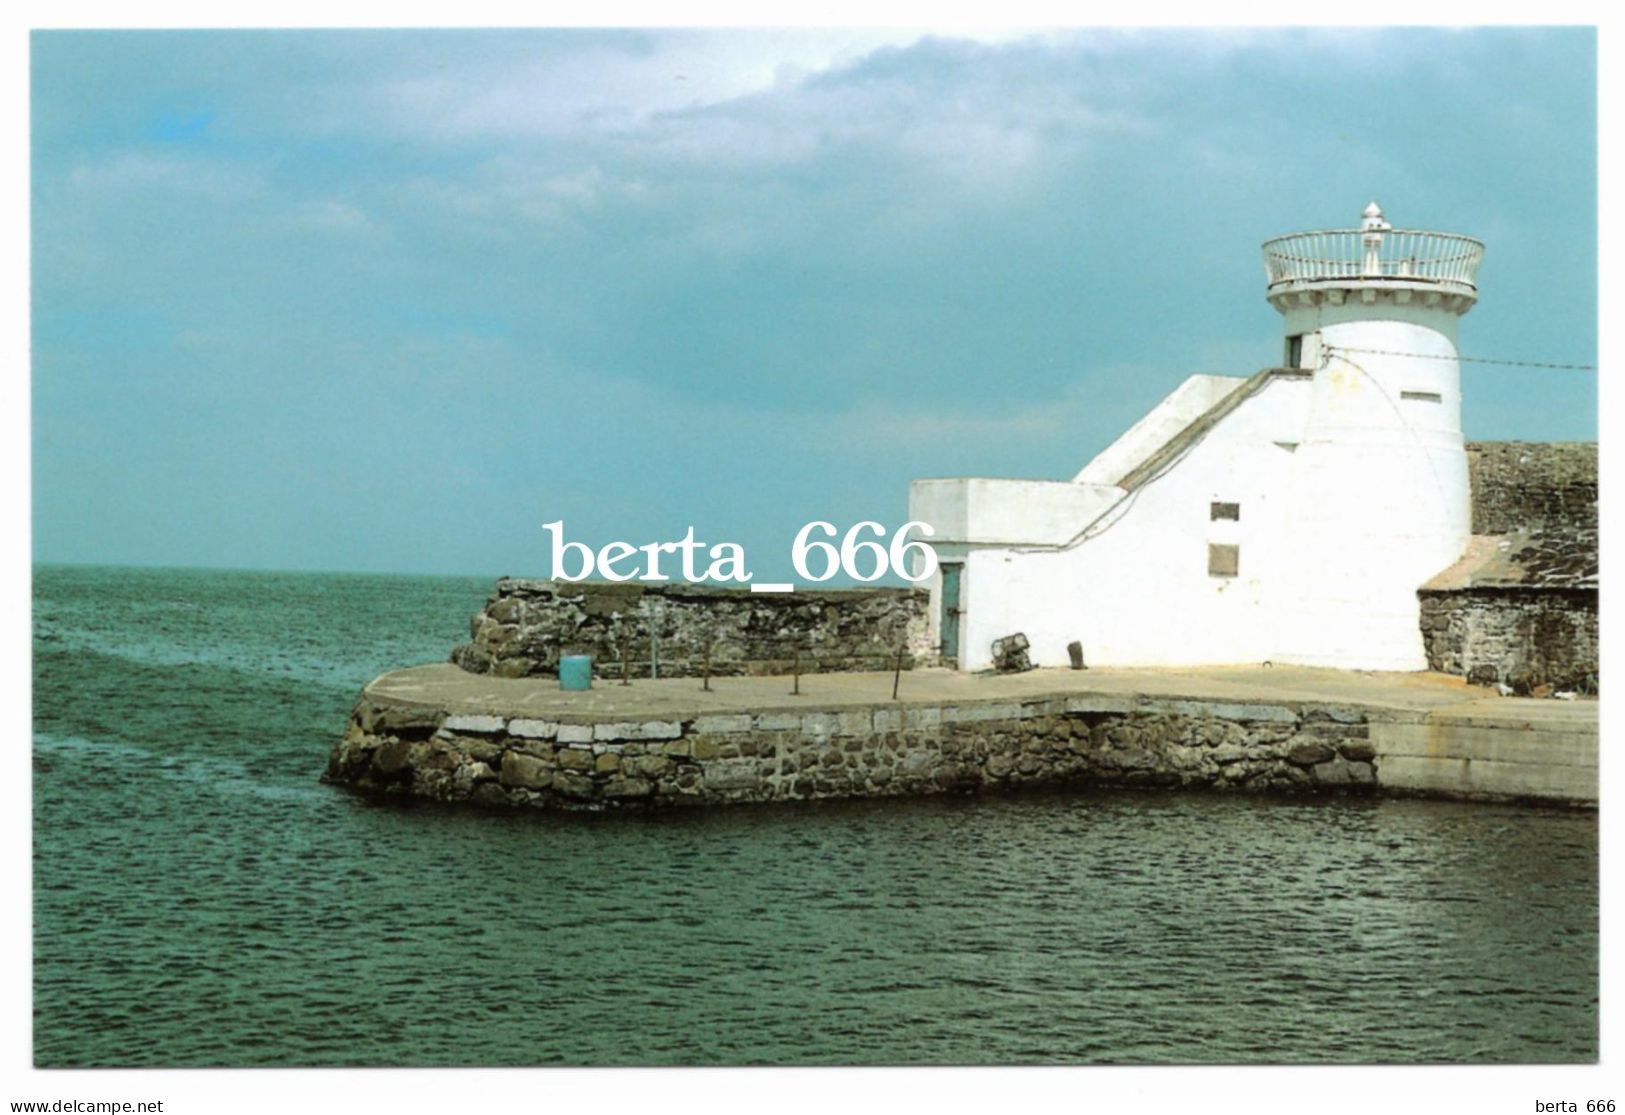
(1285,516)
(1379,498)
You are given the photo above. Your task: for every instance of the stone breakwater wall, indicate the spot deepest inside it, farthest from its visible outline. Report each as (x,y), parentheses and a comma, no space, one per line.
(1520,608)
(1524,637)
(800,755)
(680,629)
(1524,485)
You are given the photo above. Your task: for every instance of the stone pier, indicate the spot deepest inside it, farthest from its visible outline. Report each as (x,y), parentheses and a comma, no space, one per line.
(438,732)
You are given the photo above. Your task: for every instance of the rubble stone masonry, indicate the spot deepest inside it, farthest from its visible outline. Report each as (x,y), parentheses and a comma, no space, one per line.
(681,629)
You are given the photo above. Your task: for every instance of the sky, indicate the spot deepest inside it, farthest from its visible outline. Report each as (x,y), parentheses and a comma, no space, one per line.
(389,301)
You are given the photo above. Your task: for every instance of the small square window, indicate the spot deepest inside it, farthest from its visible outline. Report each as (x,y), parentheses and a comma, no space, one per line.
(1223,561)
(1231,511)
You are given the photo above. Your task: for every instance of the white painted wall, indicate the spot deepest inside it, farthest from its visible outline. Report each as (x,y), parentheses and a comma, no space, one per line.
(1136,591)
(1382,489)
(1351,495)
(1188,402)
(989,511)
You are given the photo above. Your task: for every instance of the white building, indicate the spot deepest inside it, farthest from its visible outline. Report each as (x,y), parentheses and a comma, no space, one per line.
(1289,516)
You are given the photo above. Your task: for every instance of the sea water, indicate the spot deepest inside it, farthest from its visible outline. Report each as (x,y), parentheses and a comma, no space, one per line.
(201,899)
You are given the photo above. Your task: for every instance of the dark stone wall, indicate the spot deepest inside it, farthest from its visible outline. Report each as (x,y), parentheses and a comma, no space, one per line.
(1531,621)
(851,752)
(1530,485)
(1532,639)
(682,629)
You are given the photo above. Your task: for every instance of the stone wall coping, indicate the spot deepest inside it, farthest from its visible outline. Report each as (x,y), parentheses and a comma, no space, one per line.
(683,590)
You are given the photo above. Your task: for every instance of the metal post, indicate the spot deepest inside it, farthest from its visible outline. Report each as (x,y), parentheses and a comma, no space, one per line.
(796,692)
(897,674)
(654,641)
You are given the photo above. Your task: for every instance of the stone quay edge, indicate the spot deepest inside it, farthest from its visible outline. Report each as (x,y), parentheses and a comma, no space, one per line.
(439,733)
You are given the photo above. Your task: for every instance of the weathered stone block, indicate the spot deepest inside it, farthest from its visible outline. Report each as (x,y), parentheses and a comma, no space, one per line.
(489,793)
(465,777)
(526,771)
(1309,754)
(1229,710)
(654,766)
(917,763)
(574,759)
(1332,772)
(573,785)
(819,725)
(733,775)
(506,610)
(638,730)
(441,758)
(1358,750)
(391,758)
(484,750)
(533,729)
(381,719)
(513,666)
(854,722)
(974,714)
(1334,713)
(575,733)
(923,719)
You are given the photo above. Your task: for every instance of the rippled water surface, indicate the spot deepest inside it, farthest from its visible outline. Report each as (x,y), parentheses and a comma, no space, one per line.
(200,899)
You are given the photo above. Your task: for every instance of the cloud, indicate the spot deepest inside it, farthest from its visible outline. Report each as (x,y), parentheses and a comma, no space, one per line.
(612,83)
(122,174)
(770,271)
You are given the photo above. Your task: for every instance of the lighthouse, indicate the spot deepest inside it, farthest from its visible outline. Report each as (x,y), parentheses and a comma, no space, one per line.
(1379,499)
(1289,515)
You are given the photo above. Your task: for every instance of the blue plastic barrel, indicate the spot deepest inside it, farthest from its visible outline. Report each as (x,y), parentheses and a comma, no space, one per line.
(575,671)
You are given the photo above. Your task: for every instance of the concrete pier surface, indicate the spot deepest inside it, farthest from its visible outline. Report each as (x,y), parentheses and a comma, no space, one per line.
(438,731)
(452,689)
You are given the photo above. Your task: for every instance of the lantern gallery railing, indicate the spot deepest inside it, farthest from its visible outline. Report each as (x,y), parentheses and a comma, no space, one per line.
(1395,254)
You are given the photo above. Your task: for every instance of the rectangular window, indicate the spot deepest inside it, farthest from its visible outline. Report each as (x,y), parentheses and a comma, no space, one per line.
(1294,351)
(1231,511)
(1422,396)
(1223,561)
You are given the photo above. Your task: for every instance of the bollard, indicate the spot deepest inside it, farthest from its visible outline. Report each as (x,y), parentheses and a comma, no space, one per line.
(796,691)
(897,674)
(656,614)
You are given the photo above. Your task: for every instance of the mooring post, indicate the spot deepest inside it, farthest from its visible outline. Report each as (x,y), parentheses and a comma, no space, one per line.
(796,669)
(654,640)
(897,673)
(707,683)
